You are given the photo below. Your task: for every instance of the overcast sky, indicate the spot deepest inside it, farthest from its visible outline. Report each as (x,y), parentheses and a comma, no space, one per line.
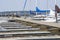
(17,5)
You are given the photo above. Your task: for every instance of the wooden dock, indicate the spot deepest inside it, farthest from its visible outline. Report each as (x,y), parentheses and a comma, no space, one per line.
(51,24)
(53,27)
(32,37)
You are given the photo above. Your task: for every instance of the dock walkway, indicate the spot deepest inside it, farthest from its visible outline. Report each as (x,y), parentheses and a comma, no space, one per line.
(39,22)
(32,37)
(26,32)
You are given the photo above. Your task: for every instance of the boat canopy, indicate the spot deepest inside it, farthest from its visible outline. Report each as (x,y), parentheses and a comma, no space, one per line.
(38,10)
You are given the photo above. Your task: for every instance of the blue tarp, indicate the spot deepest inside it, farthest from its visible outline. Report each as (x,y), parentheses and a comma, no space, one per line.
(38,10)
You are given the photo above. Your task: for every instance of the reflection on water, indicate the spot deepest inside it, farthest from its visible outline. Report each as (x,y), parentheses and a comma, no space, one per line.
(2,29)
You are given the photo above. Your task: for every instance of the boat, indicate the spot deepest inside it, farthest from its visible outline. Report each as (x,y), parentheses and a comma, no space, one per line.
(50,14)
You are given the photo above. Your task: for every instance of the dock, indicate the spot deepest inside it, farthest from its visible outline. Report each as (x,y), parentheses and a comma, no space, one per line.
(33,38)
(53,27)
(33,30)
(26,32)
(51,24)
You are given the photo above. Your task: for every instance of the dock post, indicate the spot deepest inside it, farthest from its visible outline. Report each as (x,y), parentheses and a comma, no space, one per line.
(56,11)
(56,17)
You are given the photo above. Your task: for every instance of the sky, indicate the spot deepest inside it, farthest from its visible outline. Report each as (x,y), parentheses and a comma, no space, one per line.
(17,5)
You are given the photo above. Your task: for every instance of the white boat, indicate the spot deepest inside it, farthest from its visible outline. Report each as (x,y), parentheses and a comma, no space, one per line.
(50,15)
(38,17)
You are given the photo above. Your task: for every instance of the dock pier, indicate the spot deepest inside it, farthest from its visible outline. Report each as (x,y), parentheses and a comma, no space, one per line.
(44,26)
